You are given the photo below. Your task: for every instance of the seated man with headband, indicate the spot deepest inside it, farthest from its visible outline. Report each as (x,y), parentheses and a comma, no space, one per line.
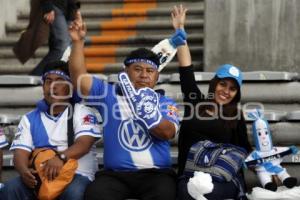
(138,123)
(49,126)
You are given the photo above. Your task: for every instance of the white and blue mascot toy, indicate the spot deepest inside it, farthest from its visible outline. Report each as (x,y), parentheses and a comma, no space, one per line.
(266,158)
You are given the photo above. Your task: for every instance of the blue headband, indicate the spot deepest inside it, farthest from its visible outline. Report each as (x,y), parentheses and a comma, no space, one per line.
(135,60)
(58,72)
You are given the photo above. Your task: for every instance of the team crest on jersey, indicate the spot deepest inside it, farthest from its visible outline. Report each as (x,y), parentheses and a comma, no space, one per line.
(172,112)
(133,137)
(172,108)
(89,120)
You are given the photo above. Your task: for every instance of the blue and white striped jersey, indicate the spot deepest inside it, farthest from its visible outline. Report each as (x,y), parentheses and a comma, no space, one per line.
(38,129)
(128,146)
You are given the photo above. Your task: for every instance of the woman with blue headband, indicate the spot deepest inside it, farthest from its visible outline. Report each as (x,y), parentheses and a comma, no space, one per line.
(215,117)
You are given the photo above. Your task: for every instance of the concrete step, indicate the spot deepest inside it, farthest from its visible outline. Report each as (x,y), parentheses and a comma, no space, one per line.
(119,3)
(196,24)
(101,13)
(288,108)
(96,12)
(112,4)
(267,93)
(94,51)
(15,110)
(14,67)
(27,96)
(117,67)
(140,39)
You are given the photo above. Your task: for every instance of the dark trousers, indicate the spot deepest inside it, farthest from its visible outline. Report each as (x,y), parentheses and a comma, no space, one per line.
(155,184)
(221,191)
(58,42)
(15,189)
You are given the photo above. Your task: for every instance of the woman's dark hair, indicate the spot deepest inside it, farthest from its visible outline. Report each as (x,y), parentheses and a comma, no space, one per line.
(229,110)
(57,65)
(142,53)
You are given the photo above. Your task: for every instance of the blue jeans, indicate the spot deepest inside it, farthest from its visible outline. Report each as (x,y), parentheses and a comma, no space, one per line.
(15,189)
(59,40)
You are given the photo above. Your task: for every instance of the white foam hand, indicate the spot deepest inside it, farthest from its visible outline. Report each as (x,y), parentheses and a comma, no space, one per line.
(144,103)
(200,184)
(165,51)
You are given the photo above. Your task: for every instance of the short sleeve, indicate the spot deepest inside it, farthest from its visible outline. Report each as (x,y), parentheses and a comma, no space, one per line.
(86,122)
(169,111)
(23,137)
(98,90)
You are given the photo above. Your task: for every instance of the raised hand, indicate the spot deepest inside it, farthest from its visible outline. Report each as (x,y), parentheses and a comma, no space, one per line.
(77,28)
(178,20)
(144,103)
(178,16)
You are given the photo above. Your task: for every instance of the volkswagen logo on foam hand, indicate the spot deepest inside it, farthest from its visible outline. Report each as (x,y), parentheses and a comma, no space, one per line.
(133,137)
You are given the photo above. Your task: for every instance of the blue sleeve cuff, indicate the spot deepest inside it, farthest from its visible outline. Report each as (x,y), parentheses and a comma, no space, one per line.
(3,144)
(21,146)
(90,132)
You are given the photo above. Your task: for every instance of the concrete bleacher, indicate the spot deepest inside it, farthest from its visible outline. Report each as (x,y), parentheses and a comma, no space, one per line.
(114,28)
(275,91)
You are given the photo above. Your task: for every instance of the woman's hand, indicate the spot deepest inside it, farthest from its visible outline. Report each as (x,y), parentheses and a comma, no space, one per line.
(178,16)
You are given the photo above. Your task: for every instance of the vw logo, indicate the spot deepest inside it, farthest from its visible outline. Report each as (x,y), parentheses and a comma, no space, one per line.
(133,137)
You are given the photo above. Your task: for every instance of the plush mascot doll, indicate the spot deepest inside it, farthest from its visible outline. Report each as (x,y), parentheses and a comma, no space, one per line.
(266,158)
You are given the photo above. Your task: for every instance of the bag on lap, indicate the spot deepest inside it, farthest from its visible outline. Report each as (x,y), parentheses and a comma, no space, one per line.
(222,161)
(49,190)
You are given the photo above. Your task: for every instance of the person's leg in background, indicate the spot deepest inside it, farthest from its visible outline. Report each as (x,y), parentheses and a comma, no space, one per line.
(58,42)
(75,190)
